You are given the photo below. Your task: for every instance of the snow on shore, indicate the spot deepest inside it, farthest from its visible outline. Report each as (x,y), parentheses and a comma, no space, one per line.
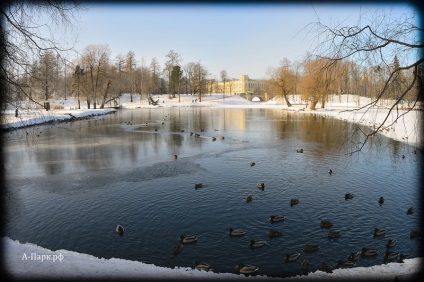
(22,261)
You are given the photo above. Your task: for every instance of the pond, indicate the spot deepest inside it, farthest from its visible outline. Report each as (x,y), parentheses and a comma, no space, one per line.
(69,185)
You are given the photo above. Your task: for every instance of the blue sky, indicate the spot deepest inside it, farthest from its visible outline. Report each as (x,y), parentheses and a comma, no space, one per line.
(238,38)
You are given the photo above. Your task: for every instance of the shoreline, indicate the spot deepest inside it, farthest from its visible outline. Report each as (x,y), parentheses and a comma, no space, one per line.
(401,125)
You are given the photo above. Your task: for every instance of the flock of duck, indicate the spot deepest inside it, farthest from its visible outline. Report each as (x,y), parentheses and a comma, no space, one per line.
(248,269)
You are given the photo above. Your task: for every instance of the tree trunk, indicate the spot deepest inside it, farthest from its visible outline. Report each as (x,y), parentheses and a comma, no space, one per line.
(287,100)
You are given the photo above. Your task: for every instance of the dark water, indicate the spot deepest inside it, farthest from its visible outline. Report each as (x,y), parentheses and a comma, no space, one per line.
(69,187)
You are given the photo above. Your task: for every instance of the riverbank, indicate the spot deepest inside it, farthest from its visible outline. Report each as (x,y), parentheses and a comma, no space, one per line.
(28,261)
(400,124)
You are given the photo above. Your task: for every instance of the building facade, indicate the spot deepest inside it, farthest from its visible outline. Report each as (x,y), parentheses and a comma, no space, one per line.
(243,85)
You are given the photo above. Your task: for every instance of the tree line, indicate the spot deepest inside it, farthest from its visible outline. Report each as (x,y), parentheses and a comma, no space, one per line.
(34,68)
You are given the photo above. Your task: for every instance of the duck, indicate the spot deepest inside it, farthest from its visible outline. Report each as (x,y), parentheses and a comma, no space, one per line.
(291,256)
(274,233)
(381,200)
(197,135)
(156,129)
(119,229)
(325,267)
(354,256)
(276,218)
(294,202)
(334,234)
(304,265)
(191,133)
(379,232)
(249,198)
(198,185)
(236,232)
(254,244)
(299,151)
(188,239)
(261,185)
(222,137)
(369,252)
(391,243)
(175,157)
(345,264)
(182,130)
(202,266)
(411,210)
(213,138)
(348,196)
(246,268)
(326,224)
(391,255)
(251,163)
(414,234)
(311,247)
(176,249)
(330,171)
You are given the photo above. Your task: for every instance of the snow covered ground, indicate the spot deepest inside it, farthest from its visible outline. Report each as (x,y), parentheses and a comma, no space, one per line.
(21,261)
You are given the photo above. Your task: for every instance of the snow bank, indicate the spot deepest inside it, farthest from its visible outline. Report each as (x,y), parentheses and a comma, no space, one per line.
(24,261)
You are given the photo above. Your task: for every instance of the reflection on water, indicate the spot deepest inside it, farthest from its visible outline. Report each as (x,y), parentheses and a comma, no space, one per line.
(72,184)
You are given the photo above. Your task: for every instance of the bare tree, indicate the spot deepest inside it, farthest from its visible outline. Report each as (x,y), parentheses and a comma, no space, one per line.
(95,60)
(283,80)
(199,79)
(373,41)
(27,34)
(189,70)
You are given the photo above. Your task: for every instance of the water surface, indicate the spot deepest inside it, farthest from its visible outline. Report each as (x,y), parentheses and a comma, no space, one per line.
(69,185)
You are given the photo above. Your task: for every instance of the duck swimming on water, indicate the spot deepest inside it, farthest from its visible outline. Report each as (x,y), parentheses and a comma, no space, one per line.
(188,239)
(325,267)
(176,249)
(304,265)
(326,224)
(274,233)
(120,229)
(246,269)
(379,232)
(249,198)
(202,266)
(369,252)
(236,232)
(334,234)
(411,210)
(354,256)
(311,247)
(261,185)
(254,244)
(391,255)
(348,196)
(391,243)
(294,202)
(291,256)
(381,201)
(276,218)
